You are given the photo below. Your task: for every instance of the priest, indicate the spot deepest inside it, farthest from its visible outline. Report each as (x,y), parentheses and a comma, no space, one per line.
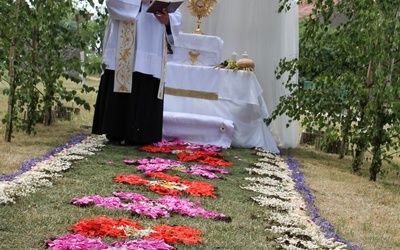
(129,105)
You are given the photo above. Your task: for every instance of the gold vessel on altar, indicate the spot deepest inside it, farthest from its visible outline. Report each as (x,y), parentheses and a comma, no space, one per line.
(193,55)
(200,9)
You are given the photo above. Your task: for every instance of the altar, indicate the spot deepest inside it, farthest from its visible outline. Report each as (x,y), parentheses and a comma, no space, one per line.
(211,105)
(211,92)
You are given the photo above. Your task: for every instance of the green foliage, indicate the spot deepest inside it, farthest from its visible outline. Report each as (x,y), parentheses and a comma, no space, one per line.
(349,50)
(47,37)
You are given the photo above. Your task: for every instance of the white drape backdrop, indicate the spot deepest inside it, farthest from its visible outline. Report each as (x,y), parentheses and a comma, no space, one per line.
(255,26)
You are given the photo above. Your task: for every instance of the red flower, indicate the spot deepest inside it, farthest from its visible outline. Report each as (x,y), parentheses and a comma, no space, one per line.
(205,157)
(162,149)
(176,234)
(194,188)
(164,176)
(188,153)
(131,179)
(159,189)
(200,189)
(216,162)
(103,227)
(155,149)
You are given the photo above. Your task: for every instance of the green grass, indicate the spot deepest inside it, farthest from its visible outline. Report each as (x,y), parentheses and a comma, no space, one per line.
(365,213)
(47,213)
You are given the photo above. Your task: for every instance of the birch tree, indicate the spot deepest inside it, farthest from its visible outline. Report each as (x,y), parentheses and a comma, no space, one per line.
(38,35)
(350,52)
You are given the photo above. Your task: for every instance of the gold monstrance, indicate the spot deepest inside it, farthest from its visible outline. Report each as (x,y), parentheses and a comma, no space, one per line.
(200,9)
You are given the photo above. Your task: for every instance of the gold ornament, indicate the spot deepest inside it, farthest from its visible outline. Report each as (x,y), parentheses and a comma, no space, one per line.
(194,54)
(200,9)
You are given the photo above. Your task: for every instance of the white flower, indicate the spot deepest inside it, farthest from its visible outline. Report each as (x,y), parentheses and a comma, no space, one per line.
(6,195)
(136,233)
(277,189)
(41,174)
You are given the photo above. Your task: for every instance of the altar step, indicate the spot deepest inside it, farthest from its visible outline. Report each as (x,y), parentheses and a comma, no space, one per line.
(201,129)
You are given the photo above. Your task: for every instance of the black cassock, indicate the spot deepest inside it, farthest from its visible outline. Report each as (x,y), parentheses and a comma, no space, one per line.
(135,117)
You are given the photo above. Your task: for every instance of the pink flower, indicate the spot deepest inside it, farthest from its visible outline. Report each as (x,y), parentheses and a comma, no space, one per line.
(142,244)
(131,196)
(206,171)
(186,207)
(78,242)
(141,205)
(75,241)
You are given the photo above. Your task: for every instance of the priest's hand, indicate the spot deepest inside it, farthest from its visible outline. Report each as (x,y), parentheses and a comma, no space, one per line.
(162,17)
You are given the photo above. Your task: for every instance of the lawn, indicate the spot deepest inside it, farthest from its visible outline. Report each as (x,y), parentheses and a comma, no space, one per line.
(363,212)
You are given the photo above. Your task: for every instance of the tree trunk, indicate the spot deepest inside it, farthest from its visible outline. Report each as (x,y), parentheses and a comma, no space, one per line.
(377,141)
(345,138)
(361,144)
(47,116)
(13,87)
(32,116)
(376,163)
(358,161)
(358,157)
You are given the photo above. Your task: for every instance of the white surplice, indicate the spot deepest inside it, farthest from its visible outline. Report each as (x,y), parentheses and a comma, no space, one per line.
(149,35)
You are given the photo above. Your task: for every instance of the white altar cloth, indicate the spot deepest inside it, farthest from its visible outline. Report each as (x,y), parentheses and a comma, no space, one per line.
(239,99)
(201,129)
(208,47)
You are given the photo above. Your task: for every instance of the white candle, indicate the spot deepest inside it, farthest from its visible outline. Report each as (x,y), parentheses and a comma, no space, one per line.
(234,56)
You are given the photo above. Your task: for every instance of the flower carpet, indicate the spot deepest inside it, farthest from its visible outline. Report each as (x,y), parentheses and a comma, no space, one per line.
(275,182)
